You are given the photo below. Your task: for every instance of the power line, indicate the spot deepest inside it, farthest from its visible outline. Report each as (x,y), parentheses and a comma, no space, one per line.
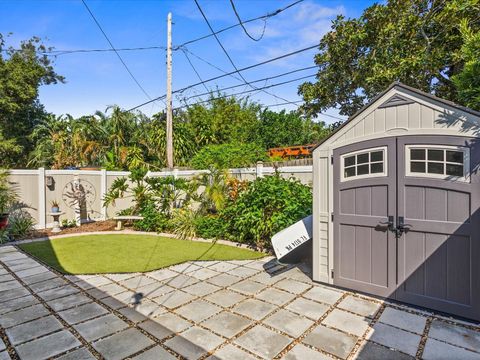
(231,73)
(255,81)
(116,52)
(76,51)
(255,89)
(266,16)
(195,70)
(228,55)
(209,63)
(66,52)
(243,26)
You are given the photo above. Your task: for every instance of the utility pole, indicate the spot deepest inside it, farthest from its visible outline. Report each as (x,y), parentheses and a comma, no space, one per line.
(169,94)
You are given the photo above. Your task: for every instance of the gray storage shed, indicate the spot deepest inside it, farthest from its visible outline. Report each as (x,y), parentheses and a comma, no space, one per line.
(397,202)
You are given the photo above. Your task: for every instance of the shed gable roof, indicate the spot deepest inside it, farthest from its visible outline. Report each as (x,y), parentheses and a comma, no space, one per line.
(398,94)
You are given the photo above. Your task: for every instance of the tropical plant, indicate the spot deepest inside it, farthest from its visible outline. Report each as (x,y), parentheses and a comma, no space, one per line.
(20,223)
(184,223)
(225,156)
(213,187)
(267,206)
(8,195)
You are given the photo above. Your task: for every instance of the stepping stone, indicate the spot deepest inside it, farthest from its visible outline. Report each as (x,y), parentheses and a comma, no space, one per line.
(155,353)
(48,284)
(403,320)
(33,329)
(120,277)
(359,306)
(4,355)
(275,296)
(68,302)
(288,322)
(137,282)
(372,351)
(16,304)
(162,274)
(395,338)
(254,309)
(223,266)
(342,320)
(454,334)
(31,271)
(435,350)
(6,277)
(82,313)
(47,346)
(292,286)
(194,342)
(198,310)
(267,279)
(132,315)
(242,272)
(263,342)
(186,267)
(201,289)
(230,352)
(181,281)
(172,322)
(122,344)
(301,352)
(98,281)
(332,341)
(10,285)
(2,345)
(39,277)
(23,315)
(308,308)
(224,280)
(13,294)
(323,294)
(174,299)
(57,292)
(203,274)
(155,329)
(227,324)
(79,354)
(248,287)
(225,298)
(112,289)
(100,327)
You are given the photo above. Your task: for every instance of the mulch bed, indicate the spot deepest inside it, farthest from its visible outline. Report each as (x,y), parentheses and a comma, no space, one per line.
(108,225)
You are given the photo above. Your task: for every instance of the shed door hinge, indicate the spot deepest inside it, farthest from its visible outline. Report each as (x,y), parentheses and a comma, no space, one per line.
(332,216)
(331,159)
(333,273)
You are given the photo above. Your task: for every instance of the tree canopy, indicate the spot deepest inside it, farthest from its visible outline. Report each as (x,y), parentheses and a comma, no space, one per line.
(21,74)
(417,42)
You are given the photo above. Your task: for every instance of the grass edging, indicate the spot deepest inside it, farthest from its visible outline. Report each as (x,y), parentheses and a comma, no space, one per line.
(133,232)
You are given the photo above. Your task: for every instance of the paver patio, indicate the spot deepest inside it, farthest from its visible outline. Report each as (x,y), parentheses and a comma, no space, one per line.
(211,310)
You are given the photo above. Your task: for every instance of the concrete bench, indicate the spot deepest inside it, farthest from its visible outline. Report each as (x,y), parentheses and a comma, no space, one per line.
(121,219)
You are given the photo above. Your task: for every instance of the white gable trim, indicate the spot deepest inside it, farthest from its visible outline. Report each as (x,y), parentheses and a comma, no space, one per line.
(457,114)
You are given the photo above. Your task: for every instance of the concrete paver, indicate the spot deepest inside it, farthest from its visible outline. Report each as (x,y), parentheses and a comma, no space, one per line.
(246,309)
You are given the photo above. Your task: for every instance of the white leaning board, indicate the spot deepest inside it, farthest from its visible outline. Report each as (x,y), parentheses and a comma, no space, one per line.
(292,237)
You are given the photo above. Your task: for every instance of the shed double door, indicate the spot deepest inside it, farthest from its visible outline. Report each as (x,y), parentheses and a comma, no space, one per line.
(435,262)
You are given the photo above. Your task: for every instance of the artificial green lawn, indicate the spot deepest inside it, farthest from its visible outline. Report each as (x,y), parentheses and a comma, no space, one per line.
(93,254)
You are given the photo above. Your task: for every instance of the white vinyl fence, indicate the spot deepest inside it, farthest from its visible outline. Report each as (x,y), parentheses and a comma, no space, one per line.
(38,188)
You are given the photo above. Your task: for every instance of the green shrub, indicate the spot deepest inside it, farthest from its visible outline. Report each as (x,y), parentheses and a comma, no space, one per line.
(20,224)
(153,219)
(227,156)
(209,227)
(184,223)
(268,205)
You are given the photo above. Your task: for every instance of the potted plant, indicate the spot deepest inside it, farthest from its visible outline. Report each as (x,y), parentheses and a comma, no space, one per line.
(55,206)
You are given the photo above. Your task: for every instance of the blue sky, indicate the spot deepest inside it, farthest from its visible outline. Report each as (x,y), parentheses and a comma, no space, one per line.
(96,80)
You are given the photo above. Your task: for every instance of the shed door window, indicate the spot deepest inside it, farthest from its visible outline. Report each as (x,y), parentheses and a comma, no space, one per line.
(446,162)
(364,163)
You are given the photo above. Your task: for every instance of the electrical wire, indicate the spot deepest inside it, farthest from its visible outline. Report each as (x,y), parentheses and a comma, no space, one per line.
(243,26)
(195,70)
(229,57)
(254,89)
(255,81)
(116,52)
(230,73)
(266,16)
